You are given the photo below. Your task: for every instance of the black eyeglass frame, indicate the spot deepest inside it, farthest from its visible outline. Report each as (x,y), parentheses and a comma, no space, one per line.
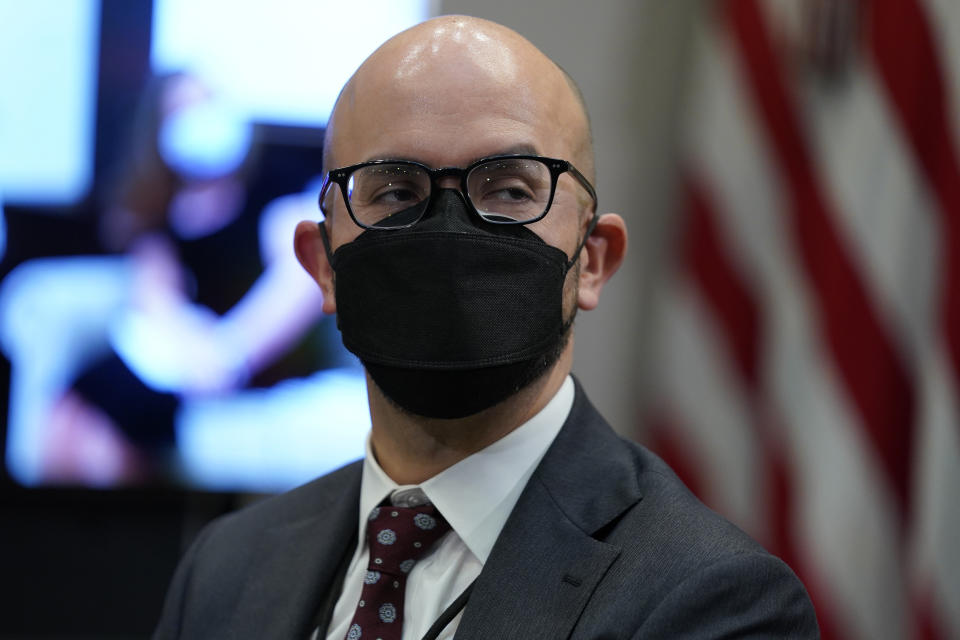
(556,167)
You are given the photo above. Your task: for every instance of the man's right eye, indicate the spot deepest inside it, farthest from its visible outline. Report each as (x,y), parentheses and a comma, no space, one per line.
(397,194)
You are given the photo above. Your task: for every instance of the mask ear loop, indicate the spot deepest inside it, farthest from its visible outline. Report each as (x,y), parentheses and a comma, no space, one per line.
(576,254)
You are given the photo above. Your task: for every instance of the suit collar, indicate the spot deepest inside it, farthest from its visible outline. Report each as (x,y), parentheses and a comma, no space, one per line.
(547,560)
(589,472)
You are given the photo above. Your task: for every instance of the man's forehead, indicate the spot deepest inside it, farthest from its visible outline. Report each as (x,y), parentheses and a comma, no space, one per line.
(445,51)
(452,72)
(490,49)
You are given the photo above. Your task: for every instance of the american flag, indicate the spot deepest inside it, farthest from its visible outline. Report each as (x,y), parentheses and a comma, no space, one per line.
(807,355)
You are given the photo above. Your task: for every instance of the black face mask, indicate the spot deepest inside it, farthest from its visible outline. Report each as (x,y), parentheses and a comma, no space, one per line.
(453,315)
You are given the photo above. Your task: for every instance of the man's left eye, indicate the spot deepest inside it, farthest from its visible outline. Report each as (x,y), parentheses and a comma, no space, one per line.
(512,194)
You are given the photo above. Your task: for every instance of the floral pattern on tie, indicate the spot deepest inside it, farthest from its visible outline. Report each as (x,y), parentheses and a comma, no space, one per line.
(397,538)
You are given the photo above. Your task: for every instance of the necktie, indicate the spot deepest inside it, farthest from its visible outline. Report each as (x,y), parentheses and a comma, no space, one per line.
(397,537)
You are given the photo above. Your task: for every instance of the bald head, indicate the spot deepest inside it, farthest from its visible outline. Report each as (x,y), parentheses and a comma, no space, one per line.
(445,94)
(466,76)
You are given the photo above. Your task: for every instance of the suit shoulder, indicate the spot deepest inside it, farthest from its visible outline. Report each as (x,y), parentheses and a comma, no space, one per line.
(296,504)
(250,546)
(670,513)
(603,481)
(699,569)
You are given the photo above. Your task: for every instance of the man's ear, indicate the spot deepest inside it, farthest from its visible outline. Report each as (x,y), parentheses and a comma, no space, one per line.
(600,258)
(310,252)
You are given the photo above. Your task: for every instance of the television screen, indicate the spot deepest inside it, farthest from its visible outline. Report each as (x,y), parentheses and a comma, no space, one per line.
(154,160)
(48,65)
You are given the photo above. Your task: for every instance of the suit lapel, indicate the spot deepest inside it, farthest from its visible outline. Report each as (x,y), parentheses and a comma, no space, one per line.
(546,563)
(538,579)
(295,564)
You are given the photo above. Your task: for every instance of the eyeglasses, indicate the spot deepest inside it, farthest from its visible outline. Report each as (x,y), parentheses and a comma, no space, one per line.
(395,194)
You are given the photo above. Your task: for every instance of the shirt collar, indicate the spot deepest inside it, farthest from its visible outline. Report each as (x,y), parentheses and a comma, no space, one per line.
(477,494)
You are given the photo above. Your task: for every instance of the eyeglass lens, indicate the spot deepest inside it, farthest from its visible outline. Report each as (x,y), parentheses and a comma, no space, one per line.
(503,190)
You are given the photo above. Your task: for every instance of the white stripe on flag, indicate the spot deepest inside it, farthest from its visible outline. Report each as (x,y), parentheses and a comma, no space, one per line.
(936,552)
(697,377)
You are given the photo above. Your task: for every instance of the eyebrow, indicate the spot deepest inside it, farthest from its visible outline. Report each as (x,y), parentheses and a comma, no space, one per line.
(522,149)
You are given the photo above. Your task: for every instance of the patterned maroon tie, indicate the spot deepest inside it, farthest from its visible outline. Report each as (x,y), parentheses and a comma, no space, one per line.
(397,537)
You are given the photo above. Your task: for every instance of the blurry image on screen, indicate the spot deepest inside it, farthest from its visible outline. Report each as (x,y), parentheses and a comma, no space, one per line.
(282,61)
(48,64)
(187,344)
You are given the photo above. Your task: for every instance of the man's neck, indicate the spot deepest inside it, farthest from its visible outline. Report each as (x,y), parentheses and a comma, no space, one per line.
(412,449)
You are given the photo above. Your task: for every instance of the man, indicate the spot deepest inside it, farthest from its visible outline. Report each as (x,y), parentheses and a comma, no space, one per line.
(460,237)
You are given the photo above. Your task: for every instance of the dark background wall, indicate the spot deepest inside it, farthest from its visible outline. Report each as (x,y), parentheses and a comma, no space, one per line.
(93,564)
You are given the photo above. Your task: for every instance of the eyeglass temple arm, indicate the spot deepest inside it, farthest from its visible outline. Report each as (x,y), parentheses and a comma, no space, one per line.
(582,179)
(326,241)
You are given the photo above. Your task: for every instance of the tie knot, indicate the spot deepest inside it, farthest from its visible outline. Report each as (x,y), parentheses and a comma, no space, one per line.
(399,536)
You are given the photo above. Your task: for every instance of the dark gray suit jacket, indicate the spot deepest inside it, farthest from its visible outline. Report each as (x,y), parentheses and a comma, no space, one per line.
(605,542)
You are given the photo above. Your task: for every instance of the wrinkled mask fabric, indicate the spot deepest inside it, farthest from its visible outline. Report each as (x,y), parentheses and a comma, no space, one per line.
(452,315)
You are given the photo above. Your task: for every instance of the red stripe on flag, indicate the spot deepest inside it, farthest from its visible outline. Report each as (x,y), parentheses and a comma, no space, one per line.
(782,479)
(903,46)
(733,305)
(869,366)
(928,626)
(785,545)
(732,308)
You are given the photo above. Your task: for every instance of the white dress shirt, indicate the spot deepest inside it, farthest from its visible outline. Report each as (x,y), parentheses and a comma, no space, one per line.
(476,496)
